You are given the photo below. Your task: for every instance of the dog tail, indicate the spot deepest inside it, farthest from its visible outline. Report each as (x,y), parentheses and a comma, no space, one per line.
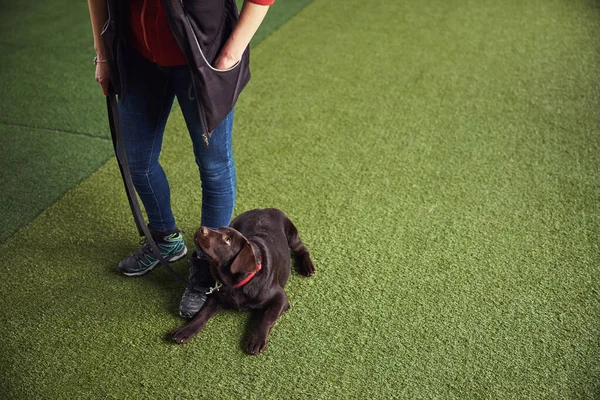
(306,265)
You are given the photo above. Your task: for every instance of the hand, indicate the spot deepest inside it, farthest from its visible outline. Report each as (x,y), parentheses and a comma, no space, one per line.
(103,76)
(226,60)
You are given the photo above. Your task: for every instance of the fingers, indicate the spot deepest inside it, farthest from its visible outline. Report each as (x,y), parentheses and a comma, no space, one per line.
(105,84)
(105,87)
(103,77)
(225,61)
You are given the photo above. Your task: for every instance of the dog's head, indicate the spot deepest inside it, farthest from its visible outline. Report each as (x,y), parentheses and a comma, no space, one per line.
(229,253)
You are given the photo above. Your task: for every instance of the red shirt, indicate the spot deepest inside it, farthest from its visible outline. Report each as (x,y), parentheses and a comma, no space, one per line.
(151,35)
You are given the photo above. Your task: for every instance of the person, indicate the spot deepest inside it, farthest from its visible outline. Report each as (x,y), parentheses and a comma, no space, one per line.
(155,65)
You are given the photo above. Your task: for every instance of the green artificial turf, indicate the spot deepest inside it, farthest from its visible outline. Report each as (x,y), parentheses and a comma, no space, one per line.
(279,13)
(47,69)
(38,166)
(51,106)
(441,162)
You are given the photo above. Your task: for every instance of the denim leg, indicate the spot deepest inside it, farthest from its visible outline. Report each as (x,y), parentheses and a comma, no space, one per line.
(143,113)
(215,163)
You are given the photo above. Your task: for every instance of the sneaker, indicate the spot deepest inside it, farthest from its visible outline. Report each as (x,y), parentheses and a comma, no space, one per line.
(193,300)
(172,248)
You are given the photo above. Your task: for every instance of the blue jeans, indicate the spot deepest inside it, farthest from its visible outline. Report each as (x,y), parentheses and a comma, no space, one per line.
(143,111)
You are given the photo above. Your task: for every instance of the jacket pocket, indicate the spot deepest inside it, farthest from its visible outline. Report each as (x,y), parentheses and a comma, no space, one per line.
(204,56)
(217,90)
(234,66)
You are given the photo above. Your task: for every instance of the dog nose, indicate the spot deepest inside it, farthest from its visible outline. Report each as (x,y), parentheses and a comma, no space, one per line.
(203,230)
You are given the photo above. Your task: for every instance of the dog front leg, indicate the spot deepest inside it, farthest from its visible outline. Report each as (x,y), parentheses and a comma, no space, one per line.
(258,341)
(187,332)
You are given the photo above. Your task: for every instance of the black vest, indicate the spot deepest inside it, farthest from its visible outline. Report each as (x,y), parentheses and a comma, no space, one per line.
(201,29)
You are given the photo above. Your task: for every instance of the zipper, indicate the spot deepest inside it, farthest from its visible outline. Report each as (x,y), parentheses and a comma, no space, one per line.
(206,134)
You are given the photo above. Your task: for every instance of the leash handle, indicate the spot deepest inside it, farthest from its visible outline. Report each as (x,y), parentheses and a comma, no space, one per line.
(119,146)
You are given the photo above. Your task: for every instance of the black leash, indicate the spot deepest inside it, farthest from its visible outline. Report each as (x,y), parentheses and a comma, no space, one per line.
(119,146)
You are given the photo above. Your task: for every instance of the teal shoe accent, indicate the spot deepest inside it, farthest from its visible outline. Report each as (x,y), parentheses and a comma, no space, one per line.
(172,248)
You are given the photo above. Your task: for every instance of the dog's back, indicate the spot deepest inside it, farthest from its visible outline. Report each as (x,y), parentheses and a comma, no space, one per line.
(260,222)
(272,227)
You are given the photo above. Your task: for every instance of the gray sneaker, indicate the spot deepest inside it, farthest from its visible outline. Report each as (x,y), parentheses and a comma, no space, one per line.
(172,248)
(193,300)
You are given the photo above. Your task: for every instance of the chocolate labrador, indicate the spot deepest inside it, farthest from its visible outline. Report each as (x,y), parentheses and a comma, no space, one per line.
(250,259)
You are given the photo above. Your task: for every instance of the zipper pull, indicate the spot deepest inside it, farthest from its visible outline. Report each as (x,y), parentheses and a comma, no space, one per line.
(205,136)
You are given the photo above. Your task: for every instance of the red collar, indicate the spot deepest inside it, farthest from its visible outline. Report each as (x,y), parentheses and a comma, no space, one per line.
(247,279)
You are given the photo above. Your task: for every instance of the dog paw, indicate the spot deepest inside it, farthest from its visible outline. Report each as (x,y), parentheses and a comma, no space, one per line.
(307,267)
(256,345)
(182,335)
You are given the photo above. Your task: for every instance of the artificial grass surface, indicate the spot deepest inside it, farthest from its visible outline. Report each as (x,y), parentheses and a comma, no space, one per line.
(38,166)
(441,162)
(47,69)
(49,96)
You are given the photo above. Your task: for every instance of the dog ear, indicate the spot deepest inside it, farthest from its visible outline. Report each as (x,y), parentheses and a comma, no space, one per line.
(245,262)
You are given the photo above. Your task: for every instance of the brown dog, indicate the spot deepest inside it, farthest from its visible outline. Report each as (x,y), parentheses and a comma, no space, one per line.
(251,259)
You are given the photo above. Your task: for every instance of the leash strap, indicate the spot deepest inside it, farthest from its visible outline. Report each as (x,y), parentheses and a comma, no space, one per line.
(119,147)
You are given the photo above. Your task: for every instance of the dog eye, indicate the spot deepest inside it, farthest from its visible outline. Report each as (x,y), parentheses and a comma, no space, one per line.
(227,240)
